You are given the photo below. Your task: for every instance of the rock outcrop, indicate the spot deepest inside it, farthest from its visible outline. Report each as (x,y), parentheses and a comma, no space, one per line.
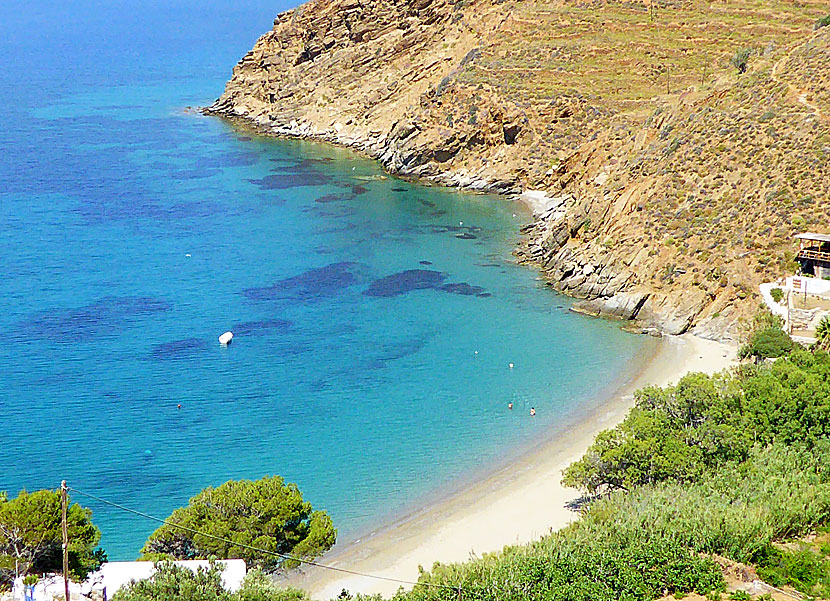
(665,184)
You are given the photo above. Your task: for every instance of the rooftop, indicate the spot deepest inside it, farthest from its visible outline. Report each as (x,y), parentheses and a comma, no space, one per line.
(814,237)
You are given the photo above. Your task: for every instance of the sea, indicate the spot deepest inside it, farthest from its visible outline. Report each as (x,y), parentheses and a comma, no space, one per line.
(381,327)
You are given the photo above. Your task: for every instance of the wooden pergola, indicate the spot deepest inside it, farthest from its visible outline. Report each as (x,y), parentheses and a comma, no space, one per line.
(814,253)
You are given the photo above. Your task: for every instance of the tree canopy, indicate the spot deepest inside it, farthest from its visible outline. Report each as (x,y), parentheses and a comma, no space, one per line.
(30,536)
(234,519)
(681,432)
(175,583)
(766,338)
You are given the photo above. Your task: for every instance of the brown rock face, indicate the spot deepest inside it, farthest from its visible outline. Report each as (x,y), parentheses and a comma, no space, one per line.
(378,75)
(672,183)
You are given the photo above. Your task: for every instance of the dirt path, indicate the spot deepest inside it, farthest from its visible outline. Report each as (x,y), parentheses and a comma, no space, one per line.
(798,94)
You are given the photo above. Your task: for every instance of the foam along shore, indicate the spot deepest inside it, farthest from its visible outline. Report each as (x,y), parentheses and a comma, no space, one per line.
(518,503)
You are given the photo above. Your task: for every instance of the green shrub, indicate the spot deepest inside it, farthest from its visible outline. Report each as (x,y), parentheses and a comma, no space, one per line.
(823,22)
(777,294)
(803,569)
(767,343)
(741,59)
(229,521)
(823,333)
(681,433)
(175,583)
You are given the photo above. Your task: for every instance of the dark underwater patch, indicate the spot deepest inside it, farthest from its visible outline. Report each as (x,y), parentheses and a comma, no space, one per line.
(179,349)
(398,350)
(110,314)
(466,236)
(465,289)
(455,229)
(357,189)
(399,189)
(320,282)
(425,262)
(227,159)
(285,180)
(404,282)
(310,162)
(188,174)
(260,328)
(330,198)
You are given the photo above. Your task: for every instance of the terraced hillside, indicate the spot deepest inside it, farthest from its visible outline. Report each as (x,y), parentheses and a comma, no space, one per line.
(672,180)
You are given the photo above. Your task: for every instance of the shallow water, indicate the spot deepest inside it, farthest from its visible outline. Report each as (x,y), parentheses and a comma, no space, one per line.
(375,319)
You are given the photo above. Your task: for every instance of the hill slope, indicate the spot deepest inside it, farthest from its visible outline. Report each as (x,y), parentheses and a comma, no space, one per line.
(673,182)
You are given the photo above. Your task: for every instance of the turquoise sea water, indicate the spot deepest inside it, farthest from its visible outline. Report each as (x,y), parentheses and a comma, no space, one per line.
(375,319)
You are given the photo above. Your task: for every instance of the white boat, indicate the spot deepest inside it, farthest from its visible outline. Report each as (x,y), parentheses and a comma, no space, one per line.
(225,339)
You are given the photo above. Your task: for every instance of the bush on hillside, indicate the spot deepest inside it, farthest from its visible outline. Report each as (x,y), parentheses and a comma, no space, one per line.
(682,432)
(777,294)
(768,343)
(741,59)
(823,22)
(574,564)
(823,333)
(765,338)
(257,521)
(803,569)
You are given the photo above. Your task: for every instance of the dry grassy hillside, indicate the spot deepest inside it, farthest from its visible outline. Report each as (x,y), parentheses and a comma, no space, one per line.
(674,181)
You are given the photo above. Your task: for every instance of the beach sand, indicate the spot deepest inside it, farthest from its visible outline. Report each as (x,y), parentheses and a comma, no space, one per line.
(517,503)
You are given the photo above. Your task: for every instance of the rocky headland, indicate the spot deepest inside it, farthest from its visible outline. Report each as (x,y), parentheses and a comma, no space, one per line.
(667,176)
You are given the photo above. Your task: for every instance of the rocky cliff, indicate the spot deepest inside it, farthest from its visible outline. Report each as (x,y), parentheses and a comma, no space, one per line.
(666,175)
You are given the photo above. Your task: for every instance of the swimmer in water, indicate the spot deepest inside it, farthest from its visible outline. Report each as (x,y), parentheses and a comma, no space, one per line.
(533,412)
(178,406)
(509,405)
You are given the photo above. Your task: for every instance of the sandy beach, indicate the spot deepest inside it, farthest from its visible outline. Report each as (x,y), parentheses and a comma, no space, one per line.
(517,503)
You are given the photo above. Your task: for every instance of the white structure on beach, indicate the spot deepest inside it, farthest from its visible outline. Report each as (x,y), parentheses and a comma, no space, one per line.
(104,583)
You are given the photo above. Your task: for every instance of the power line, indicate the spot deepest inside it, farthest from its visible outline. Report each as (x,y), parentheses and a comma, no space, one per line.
(265,551)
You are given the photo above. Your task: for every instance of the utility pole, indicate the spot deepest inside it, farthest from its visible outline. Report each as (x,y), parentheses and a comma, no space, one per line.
(65,533)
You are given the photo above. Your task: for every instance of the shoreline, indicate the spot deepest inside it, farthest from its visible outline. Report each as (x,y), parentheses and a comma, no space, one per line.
(513,503)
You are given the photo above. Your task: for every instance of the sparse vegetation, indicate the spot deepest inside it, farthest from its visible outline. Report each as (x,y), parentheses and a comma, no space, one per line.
(740,60)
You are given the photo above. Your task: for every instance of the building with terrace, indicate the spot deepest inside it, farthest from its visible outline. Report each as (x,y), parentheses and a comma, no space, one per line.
(814,254)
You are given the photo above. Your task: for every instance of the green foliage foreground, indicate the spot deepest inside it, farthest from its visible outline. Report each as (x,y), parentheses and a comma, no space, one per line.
(30,536)
(685,431)
(239,519)
(657,538)
(720,465)
(174,583)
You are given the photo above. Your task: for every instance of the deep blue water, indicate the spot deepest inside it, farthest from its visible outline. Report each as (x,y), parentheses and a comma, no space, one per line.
(375,319)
